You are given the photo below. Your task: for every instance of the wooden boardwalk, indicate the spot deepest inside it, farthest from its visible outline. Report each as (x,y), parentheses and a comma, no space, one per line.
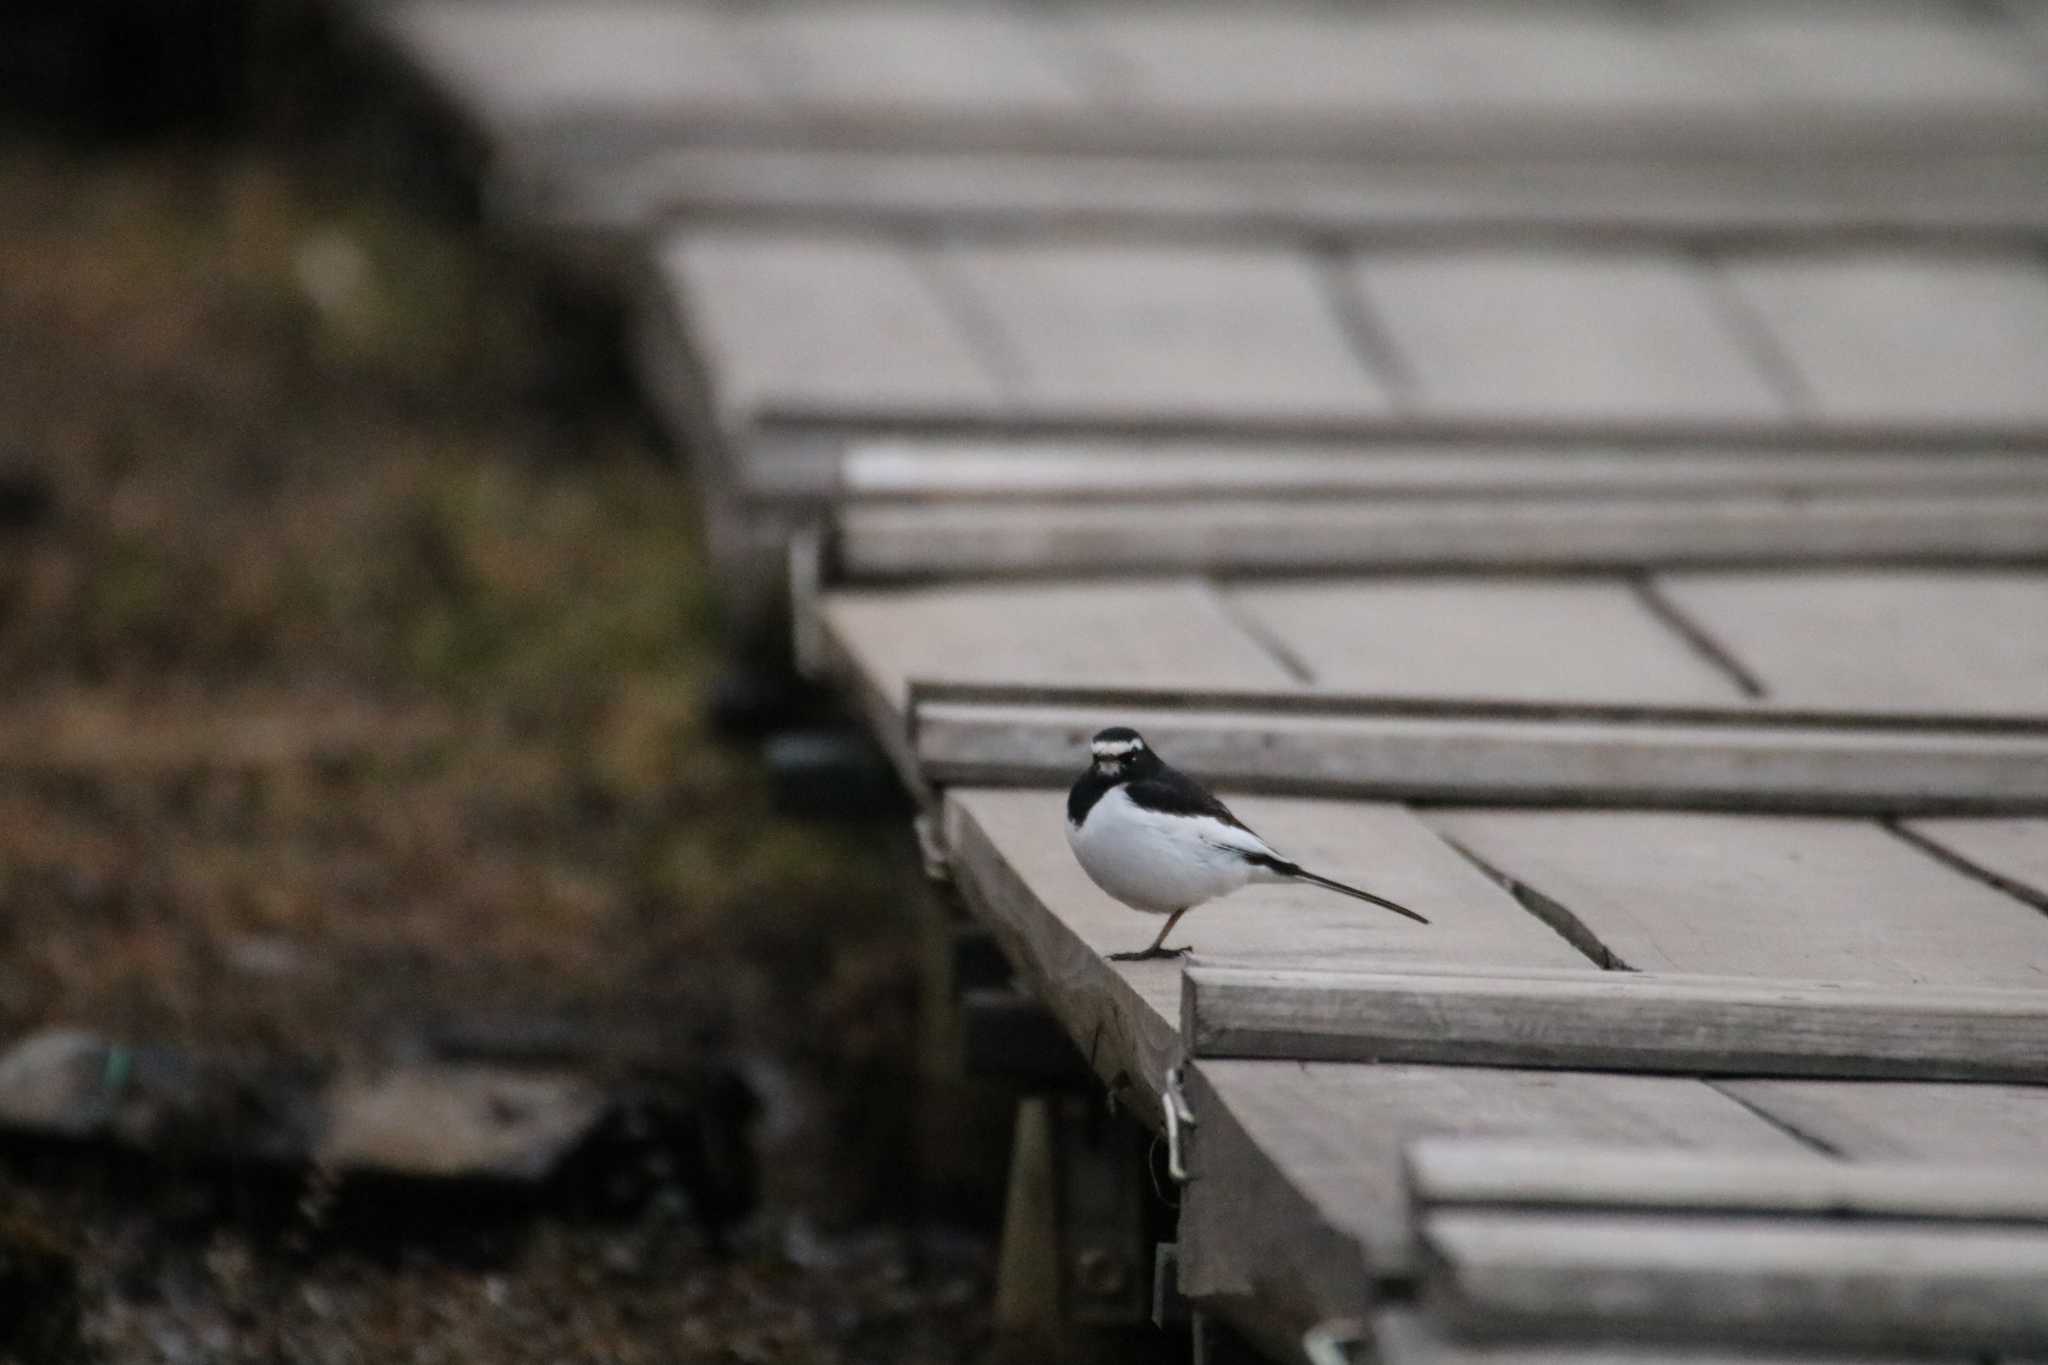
(1583,474)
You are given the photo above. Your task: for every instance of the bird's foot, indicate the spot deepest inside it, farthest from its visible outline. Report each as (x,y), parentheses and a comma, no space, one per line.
(1147,954)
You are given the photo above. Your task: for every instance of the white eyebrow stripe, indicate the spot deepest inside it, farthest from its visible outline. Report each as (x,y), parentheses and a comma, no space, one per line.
(1116,748)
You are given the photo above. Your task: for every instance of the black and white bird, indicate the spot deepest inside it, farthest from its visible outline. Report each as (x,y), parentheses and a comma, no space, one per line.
(1160,842)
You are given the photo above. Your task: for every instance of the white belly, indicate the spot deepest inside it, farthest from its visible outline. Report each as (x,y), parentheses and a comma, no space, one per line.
(1160,863)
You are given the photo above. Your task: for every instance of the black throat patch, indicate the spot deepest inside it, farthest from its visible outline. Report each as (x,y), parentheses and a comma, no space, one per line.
(1098,781)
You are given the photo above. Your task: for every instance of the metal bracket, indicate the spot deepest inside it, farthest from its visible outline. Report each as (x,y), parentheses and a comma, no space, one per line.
(931,850)
(1178,1116)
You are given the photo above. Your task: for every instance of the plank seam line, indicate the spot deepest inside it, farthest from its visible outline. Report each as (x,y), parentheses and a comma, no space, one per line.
(1553,913)
(1695,636)
(1258,632)
(1372,343)
(1957,862)
(1753,336)
(1777,1121)
(930,257)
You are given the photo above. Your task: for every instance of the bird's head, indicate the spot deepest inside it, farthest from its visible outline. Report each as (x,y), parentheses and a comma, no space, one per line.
(1120,753)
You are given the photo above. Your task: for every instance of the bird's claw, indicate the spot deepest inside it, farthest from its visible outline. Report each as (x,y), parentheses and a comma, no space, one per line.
(1147,954)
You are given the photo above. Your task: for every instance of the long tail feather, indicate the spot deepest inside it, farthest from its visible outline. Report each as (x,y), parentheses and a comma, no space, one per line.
(1302,874)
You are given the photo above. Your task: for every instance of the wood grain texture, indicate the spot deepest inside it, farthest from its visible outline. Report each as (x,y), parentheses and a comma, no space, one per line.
(1335,1133)
(1772,1282)
(1884,336)
(1549,334)
(1618,1021)
(1743,895)
(1510,1173)
(1049,468)
(1555,640)
(1998,1125)
(1262,534)
(1960,641)
(1124,330)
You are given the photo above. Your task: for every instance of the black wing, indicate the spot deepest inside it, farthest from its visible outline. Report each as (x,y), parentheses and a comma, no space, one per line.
(1175,793)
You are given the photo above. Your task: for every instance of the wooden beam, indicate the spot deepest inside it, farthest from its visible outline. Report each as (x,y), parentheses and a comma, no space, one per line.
(1572,758)
(1896,1286)
(1404,1336)
(1619,1022)
(1446,1172)
(1265,534)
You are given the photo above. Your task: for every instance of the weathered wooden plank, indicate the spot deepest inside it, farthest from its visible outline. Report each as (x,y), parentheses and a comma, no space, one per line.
(1960,642)
(1886,337)
(1011,853)
(842,326)
(1826,900)
(982,63)
(1043,470)
(1874,1285)
(2012,853)
(1332,1136)
(1997,1125)
(1452,1172)
(1407,1337)
(1566,335)
(1115,331)
(1262,534)
(1390,753)
(1619,1021)
(1577,640)
(587,186)
(1162,632)
(880,645)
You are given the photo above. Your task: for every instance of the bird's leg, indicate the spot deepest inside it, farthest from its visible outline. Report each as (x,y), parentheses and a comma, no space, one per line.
(1158,948)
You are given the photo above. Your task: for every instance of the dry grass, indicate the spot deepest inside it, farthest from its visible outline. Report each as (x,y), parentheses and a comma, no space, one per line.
(355,676)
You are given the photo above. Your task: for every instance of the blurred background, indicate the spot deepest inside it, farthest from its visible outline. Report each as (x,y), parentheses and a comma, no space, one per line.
(359,664)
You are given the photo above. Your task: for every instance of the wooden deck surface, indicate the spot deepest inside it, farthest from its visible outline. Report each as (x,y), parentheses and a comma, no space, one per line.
(1591,404)
(1562,691)
(616,114)
(1308,1156)
(1760,344)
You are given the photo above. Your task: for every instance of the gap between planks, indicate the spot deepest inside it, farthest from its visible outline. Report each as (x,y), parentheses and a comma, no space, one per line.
(2036,897)
(1696,637)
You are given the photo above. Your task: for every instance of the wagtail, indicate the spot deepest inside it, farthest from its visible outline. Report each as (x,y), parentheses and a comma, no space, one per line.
(1160,842)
